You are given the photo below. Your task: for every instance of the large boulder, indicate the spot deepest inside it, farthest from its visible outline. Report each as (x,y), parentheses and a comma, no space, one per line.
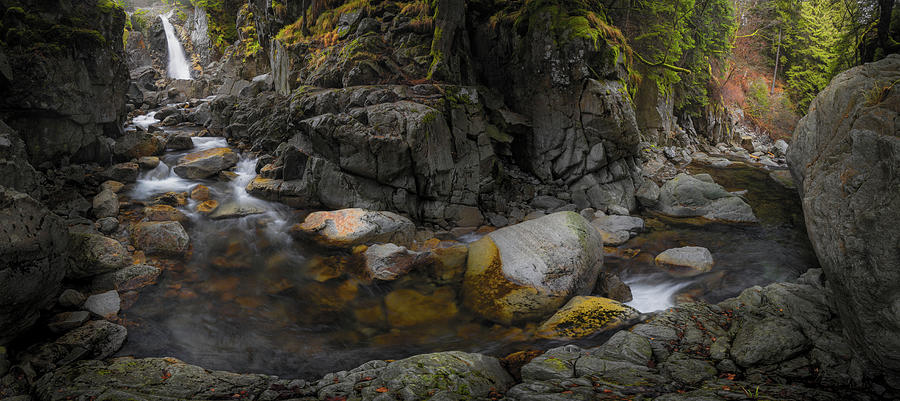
(699,196)
(206,163)
(93,254)
(167,238)
(527,271)
(584,316)
(351,227)
(32,261)
(845,157)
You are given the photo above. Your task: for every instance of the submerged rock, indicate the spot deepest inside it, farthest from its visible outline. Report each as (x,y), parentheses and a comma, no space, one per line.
(166,238)
(408,307)
(350,227)
(528,270)
(388,262)
(689,196)
(205,163)
(686,261)
(584,316)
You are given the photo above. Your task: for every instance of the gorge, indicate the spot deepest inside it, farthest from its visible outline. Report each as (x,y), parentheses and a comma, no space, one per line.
(447,200)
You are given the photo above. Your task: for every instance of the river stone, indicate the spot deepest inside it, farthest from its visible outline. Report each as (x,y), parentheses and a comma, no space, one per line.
(122,172)
(111,185)
(164,213)
(99,337)
(127,279)
(148,162)
(66,321)
(584,316)
(611,286)
(232,210)
(104,304)
(207,207)
(690,196)
(687,370)
(647,194)
(451,375)
(138,144)
(407,307)
(105,204)
(200,193)
(180,142)
(387,262)
(205,163)
(93,254)
(768,341)
(616,230)
(71,299)
(350,227)
(107,225)
(528,270)
(845,159)
(167,238)
(686,261)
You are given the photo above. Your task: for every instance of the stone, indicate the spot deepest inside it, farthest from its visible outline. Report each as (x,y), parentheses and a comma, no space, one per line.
(99,338)
(127,279)
(408,307)
(171,199)
(111,185)
(200,193)
(444,375)
(164,213)
(180,142)
(781,147)
(617,210)
(104,304)
(686,261)
(93,254)
(844,156)
(66,321)
(689,196)
(528,270)
(616,230)
(207,207)
(464,216)
(747,143)
(612,287)
(546,202)
(447,264)
(584,316)
(205,163)
(148,162)
(105,204)
(388,262)
(122,172)
(167,238)
(768,341)
(347,228)
(107,225)
(71,299)
(232,210)
(138,144)
(687,370)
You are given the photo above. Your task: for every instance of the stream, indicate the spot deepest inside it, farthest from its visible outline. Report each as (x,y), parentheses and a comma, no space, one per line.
(250,298)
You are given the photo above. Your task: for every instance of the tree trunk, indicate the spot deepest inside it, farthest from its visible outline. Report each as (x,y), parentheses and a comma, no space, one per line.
(886,7)
(777,57)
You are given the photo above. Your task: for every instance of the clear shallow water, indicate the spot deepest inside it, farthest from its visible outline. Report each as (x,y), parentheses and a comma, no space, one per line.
(250,298)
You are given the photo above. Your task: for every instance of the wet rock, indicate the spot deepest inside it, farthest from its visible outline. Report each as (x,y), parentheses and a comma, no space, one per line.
(844,157)
(148,162)
(164,213)
(686,261)
(447,264)
(687,196)
(528,270)
(584,316)
(105,204)
(100,338)
(200,193)
(180,142)
(233,210)
(351,227)
(612,287)
(107,225)
(167,238)
(92,254)
(114,186)
(122,172)
(104,304)
(207,207)
(408,307)
(388,262)
(616,230)
(205,163)
(171,199)
(71,299)
(126,279)
(67,321)
(135,145)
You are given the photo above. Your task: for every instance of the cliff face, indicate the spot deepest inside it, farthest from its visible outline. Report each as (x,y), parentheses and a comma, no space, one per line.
(64,87)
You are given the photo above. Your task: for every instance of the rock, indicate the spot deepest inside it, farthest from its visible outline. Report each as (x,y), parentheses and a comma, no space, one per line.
(687,196)
(687,370)
(408,307)
(781,147)
(66,321)
(205,163)
(180,142)
(233,210)
(464,216)
(451,375)
(207,207)
(768,341)
(200,193)
(164,213)
(171,199)
(584,316)
(126,279)
(138,144)
(387,262)
(104,304)
(528,270)
(166,238)
(107,225)
(99,338)
(783,178)
(350,227)
(122,172)
(114,186)
(611,286)
(844,156)
(617,210)
(92,254)
(747,143)
(546,202)
(616,230)
(686,261)
(447,264)
(71,299)
(148,162)
(105,204)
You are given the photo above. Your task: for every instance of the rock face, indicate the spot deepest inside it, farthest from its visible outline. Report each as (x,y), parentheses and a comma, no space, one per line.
(845,157)
(166,238)
(529,270)
(206,163)
(32,261)
(71,103)
(351,227)
(689,196)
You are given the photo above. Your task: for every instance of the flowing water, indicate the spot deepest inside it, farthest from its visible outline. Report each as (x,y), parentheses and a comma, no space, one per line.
(178,67)
(250,298)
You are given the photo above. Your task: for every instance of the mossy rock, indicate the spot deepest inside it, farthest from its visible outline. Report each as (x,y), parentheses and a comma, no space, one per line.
(585,316)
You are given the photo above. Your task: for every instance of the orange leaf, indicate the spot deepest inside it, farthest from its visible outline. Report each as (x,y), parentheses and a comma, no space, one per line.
(381,389)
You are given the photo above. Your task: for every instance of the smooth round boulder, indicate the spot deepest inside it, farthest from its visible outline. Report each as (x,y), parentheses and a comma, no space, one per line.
(699,196)
(347,228)
(167,238)
(584,316)
(148,162)
(180,142)
(205,163)
(93,254)
(528,270)
(686,261)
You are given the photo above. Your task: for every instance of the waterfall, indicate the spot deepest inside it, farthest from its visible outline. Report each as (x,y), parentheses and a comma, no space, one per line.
(178,65)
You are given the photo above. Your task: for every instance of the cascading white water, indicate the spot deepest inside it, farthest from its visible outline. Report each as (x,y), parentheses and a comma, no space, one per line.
(178,65)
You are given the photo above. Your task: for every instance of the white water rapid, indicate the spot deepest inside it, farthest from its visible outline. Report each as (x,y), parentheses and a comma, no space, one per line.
(178,65)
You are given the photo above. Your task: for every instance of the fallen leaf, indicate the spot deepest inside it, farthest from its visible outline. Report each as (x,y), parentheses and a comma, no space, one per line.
(381,389)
